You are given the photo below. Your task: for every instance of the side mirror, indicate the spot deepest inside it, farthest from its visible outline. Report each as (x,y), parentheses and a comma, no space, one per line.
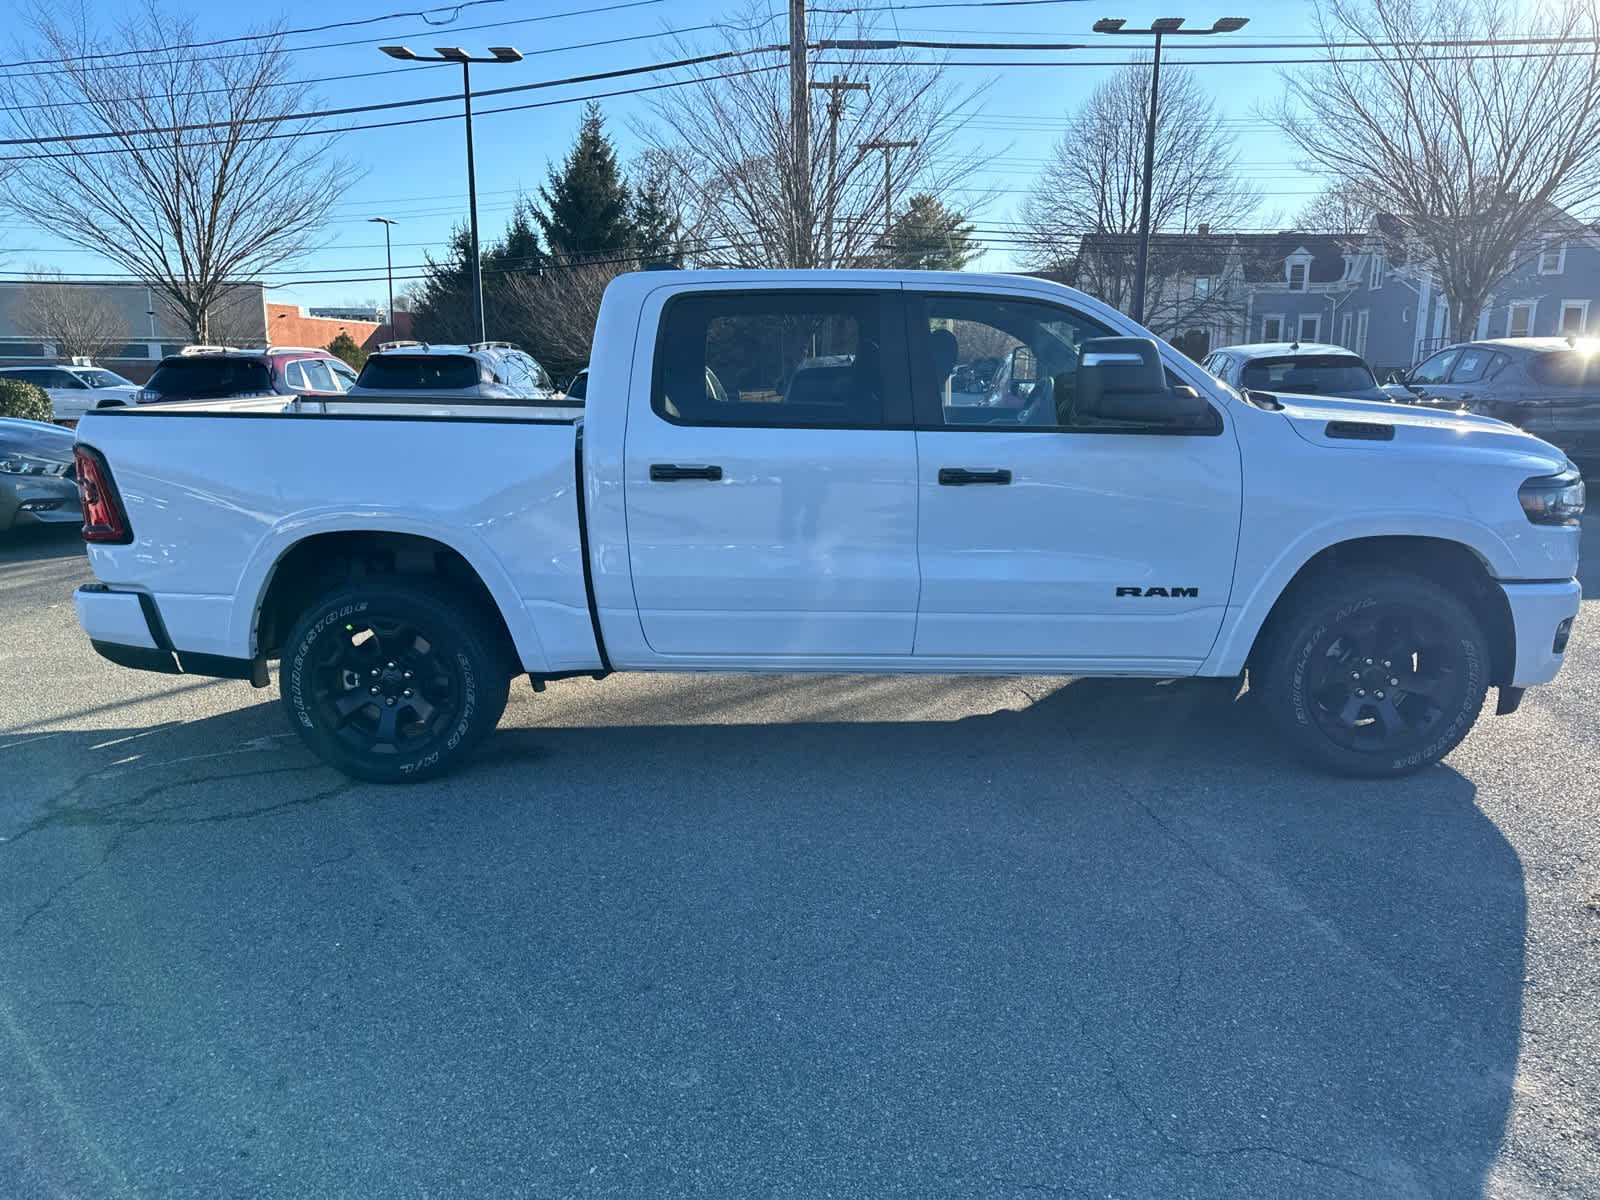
(1122,379)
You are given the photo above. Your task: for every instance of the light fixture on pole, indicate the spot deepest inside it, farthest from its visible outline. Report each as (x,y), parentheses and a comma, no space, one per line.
(388,262)
(498,54)
(1163,27)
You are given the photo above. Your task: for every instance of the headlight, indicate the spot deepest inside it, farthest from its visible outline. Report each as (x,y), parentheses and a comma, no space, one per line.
(27,464)
(1553,499)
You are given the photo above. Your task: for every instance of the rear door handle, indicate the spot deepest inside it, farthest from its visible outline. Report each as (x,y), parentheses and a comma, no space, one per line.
(961,476)
(669,472)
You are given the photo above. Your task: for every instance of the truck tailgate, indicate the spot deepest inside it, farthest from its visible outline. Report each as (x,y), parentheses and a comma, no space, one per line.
(215,499)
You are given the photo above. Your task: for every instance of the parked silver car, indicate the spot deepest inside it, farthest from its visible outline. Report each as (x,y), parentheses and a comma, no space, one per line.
(484,370)
(1300,368)
(37,483)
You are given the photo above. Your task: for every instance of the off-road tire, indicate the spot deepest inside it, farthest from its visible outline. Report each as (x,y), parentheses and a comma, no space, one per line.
(346,690)
(1322,680)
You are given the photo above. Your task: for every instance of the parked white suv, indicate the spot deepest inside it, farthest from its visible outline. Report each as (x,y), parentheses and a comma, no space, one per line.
(483,370)
(75,389)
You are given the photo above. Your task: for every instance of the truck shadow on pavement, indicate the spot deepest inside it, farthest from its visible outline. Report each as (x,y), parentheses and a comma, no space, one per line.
(1109,939)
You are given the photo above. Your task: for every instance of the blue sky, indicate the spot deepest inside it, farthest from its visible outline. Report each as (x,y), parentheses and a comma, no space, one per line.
(416,174)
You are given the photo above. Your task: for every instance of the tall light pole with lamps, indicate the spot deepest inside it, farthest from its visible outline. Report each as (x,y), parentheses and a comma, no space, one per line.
(388,263)
(1164,27)
(499,54)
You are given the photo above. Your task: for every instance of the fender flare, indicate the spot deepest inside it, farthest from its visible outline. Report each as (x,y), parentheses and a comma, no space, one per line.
(283,537)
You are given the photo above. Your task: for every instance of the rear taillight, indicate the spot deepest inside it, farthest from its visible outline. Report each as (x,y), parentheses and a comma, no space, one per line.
(103,518)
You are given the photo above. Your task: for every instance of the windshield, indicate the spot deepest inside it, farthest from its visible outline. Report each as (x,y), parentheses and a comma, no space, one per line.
(1320,374)
(419,373)
(97,378)
(207,378)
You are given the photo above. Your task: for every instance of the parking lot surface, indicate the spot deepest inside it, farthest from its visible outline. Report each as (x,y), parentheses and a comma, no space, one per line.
(798,936)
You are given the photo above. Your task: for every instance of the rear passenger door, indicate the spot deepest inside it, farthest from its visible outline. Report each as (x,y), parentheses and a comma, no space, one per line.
(771,491)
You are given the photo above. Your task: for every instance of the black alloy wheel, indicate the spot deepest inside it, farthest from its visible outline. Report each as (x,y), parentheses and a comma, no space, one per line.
(393,680)
(1374,673)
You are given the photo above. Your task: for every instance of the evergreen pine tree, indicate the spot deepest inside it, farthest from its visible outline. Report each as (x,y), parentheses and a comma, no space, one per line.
(585,206)
(658,235)
(442,305)
(930,237)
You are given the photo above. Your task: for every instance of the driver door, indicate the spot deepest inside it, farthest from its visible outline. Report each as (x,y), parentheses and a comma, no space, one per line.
(1049,541)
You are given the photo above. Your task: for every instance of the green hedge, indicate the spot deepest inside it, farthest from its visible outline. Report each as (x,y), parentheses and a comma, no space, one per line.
(26,400)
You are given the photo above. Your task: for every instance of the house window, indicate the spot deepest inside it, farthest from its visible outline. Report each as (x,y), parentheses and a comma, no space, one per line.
(1344,332)
(1363,318)
(1375,277)
(1309,328)
(1272,329)
(1202,287)
(1521,320)
(1553,259)
(1574,316)
(1297,277)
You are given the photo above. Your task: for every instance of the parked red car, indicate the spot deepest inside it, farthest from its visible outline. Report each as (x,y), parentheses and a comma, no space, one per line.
(217,372)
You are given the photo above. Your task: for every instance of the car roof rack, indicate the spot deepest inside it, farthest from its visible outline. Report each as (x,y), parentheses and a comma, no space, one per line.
(404,344)
(494,346)
(188,350)
(297,350)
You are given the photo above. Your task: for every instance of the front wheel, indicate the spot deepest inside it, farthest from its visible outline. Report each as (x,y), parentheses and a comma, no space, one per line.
(392,680)
(1374,673)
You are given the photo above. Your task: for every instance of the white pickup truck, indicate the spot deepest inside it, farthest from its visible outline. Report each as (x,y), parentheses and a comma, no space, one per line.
(802,471)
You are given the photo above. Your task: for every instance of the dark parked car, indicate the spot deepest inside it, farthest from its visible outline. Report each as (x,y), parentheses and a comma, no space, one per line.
(1549,386)
(37,482)
(219,372)
(1299,368)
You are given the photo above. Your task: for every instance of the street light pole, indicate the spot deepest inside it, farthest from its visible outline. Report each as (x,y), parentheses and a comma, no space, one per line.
(1165,26)
(388,263)
(499,54)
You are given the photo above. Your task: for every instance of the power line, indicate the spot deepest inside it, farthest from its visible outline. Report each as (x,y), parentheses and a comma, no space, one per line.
(311,115)
(577,12)
(263,37)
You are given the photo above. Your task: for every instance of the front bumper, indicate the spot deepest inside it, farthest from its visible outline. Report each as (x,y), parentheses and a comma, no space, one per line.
(38,500)
(1538,611)
(126,628)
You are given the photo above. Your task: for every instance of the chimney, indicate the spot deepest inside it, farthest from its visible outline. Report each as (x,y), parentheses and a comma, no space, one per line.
(1205,230)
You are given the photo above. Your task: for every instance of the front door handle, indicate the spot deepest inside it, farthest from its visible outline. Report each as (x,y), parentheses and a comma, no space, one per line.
(668,472)
(961,476)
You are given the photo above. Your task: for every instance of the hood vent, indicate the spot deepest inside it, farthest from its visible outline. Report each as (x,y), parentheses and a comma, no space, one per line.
(1360,431)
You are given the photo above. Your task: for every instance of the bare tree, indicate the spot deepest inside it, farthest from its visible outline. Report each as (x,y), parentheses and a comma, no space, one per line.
(731,150)
(1093,182)
(191,172)
(77,319)
(1475,149)
(1342,208)
(555,310)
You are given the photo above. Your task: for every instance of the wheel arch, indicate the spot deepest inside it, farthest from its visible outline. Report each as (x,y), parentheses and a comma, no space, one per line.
(1451,564)
(314,563)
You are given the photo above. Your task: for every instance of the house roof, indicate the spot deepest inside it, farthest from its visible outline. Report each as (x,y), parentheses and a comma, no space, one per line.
(1261,254)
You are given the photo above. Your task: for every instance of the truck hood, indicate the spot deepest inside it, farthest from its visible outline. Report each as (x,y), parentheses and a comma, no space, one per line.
(1324,421)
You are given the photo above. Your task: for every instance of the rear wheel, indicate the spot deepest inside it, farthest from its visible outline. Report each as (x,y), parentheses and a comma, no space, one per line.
(393,680)
(1374,673)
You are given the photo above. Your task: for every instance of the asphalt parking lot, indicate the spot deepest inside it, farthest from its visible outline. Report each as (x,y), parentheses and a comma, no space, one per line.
(808,937)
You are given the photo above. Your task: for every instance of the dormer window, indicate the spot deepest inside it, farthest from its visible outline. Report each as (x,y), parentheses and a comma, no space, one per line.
(1375,278)
(1297,277)
(1202,287)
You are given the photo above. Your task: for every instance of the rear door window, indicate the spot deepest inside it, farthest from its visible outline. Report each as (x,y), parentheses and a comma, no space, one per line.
(814,359)
(210,378)
(419,372)
(1473,365)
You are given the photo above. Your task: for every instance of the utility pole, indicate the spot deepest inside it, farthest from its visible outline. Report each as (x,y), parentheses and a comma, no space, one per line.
(836,89)
(888,149)
(800,133)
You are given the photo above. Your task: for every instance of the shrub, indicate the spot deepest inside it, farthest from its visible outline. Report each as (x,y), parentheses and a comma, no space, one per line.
(345,347)
(26,400)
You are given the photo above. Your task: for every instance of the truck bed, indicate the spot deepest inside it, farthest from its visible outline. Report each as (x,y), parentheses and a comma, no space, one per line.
(216,492)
